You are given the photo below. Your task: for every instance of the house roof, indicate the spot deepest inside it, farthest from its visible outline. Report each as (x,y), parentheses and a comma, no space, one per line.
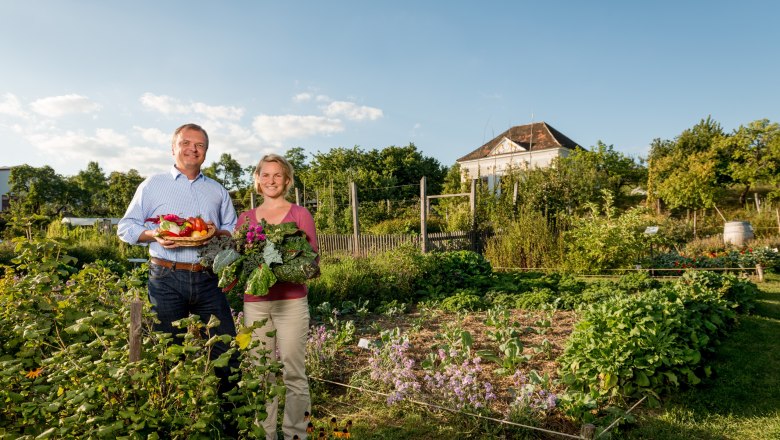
(533,137)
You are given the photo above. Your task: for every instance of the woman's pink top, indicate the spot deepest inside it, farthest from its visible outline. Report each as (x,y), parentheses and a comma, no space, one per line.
(305,222)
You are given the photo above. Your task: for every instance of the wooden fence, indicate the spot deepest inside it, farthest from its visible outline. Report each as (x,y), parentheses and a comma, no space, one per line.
(372,244)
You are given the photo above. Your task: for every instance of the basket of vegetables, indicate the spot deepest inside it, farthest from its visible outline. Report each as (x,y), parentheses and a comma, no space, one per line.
(191,231)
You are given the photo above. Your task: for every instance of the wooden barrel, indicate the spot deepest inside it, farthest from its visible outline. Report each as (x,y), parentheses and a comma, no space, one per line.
(737,233)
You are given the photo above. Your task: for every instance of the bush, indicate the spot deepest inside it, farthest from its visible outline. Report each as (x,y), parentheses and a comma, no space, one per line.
(528,242)
(64,369)
(448,271)
(653,342)
(463,300)
(607,242)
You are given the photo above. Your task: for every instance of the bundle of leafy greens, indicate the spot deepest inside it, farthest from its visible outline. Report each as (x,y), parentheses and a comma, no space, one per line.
(257,256)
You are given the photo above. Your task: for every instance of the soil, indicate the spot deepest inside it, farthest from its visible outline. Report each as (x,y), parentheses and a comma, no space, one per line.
(425,328)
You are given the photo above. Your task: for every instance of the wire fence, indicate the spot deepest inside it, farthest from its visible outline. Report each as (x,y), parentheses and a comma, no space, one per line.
(587,431)
(658,272)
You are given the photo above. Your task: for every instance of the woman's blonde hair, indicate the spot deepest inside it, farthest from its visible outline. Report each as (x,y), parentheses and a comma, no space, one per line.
(289,173)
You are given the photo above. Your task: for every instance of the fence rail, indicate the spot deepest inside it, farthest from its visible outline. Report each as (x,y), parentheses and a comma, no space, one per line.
(372,244)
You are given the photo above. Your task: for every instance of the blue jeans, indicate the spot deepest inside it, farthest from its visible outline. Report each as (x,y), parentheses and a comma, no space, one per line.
(175,294)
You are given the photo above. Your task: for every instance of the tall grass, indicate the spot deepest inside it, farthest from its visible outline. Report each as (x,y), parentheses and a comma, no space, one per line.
(89,243)
(530,241)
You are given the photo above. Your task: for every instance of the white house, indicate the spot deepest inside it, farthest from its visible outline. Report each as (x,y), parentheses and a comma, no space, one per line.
(521,147)
(5,175)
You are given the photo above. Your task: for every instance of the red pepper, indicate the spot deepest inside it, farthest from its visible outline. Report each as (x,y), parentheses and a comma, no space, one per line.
(168,234)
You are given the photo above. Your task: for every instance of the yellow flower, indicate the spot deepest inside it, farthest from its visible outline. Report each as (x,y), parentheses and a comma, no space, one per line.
(32,374)
(243,340)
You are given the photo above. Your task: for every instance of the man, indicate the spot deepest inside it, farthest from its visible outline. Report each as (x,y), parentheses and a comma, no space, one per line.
(179,286)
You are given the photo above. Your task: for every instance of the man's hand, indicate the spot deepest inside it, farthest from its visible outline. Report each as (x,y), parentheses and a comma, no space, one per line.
(167,244)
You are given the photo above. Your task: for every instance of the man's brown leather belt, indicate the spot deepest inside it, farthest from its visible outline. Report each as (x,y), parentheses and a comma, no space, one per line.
(196,267)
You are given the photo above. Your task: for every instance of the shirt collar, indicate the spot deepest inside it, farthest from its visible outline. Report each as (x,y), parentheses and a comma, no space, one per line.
(175,173)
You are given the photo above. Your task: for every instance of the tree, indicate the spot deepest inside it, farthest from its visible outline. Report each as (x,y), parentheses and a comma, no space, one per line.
(387,177)
(90,189)
(39,190)
(591,171)
(227,171)
(754,152)
(121,189)
(677,174)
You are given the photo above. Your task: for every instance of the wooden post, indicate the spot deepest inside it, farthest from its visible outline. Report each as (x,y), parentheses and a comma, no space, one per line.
(252,199)
(423,216)
(514,194)
(136,306)
(720,213)
(758,203)
(777,214)
(760,273)
(694,222)
(473,203)
(473,208)
(297,196)
(355,223)
(588,431)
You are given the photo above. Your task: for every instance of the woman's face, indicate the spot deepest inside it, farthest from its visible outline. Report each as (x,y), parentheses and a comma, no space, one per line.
(273,180)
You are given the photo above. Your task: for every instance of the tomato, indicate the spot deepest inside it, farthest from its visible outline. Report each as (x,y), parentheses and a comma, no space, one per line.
(199,225)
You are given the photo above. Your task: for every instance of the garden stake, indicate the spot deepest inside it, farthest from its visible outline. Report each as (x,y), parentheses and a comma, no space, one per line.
(618,419)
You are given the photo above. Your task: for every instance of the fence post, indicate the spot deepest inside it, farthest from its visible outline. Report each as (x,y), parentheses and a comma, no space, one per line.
(777,214)
(355,223)
(423,216)
(252,199)
(105,226)
(473,209)
(136,306)
(760,272)
(297,196)
(588,431)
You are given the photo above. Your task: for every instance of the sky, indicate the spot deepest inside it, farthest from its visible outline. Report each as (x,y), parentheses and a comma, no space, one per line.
(109,81)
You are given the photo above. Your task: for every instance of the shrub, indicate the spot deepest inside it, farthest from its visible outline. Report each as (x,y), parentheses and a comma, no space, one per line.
(447,271)
(650,343)
(64,369)
(607,242)
(528,242)
(466,299)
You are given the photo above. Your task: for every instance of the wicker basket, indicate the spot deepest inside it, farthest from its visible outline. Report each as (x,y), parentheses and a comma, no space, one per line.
(198,241)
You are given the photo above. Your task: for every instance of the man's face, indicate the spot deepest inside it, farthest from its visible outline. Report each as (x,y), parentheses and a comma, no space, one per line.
(189,149)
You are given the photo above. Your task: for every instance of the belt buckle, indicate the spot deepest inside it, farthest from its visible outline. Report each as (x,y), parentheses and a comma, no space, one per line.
(173,265)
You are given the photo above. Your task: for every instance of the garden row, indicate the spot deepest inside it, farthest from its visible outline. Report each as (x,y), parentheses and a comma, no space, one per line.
(64,370)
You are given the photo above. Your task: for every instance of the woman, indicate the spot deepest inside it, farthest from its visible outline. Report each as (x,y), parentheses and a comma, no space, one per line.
(285,306)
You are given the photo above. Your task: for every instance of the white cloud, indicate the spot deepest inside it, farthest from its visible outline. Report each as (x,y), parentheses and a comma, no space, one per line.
(322,98)
(352,111)
(110,138)
(218,111)
(154,136)
(10,105)
(302,97)
(163,104)
(168,105)
(275,129)
(57,106)
(112,150)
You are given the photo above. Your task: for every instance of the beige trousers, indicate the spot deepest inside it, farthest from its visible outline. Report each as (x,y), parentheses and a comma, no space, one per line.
(290,319)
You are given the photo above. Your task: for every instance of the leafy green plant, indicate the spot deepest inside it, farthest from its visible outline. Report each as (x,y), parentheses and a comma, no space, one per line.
(647,344)
(64,367)
(463,300)
(607,241)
